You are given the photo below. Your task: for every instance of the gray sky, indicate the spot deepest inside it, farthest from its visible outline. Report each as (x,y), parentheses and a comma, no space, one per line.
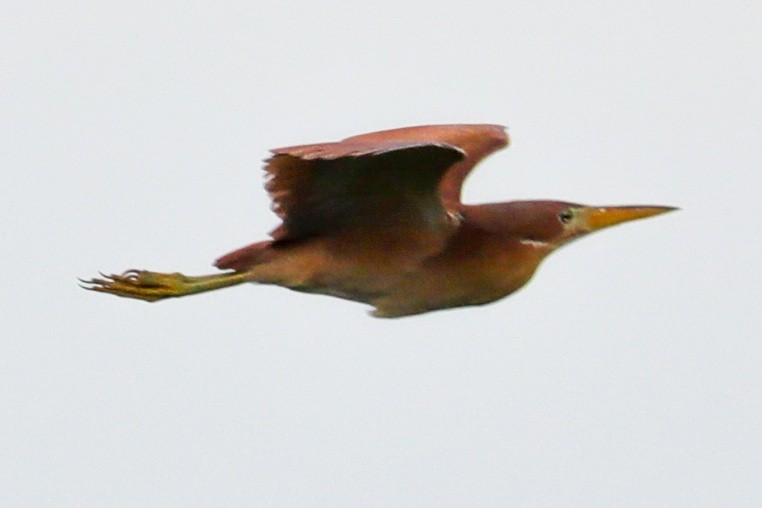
(626,373)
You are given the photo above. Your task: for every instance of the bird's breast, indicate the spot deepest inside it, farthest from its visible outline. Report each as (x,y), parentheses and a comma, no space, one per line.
(475,268)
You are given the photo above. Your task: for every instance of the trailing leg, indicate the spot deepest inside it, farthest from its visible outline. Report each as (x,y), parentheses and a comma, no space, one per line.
(152,286)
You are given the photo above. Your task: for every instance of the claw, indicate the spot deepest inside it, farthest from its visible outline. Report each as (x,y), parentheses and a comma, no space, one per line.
(114,278)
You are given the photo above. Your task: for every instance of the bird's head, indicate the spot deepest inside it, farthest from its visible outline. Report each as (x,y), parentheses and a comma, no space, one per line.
(551,224)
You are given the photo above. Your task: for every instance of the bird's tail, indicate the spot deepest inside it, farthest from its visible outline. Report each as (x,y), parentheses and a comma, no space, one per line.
(246,257)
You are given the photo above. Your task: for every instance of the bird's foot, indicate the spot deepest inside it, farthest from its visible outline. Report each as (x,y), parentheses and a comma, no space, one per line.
(141,284)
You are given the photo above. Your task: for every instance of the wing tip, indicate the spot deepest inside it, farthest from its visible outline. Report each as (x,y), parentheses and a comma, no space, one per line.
(501,132)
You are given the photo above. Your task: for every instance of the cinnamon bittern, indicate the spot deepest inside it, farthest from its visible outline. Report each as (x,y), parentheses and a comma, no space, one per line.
(377,218)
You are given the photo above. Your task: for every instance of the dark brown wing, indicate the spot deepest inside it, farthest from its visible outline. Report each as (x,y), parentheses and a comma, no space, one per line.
(319,189)
(476,140)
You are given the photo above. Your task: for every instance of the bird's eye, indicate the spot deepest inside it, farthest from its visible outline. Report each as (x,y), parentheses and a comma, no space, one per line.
(566,216)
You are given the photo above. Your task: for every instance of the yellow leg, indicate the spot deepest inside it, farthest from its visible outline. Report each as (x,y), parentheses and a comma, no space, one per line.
(152,286)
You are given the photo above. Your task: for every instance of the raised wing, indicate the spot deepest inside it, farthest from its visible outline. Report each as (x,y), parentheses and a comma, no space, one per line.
(319,189)
(476,140)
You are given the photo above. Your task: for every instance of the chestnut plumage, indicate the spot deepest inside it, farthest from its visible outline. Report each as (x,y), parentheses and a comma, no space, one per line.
(377,218)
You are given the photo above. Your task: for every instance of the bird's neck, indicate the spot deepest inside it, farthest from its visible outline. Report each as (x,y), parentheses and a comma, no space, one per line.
(500,260)
(498,223)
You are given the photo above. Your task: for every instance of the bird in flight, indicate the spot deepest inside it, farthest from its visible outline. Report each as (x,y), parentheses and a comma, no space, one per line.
(378,218)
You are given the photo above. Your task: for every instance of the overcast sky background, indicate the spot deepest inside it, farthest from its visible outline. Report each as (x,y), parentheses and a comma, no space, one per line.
(626,374)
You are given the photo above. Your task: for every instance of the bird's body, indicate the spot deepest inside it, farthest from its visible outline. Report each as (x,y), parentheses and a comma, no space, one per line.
(378,219)
(397,277)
